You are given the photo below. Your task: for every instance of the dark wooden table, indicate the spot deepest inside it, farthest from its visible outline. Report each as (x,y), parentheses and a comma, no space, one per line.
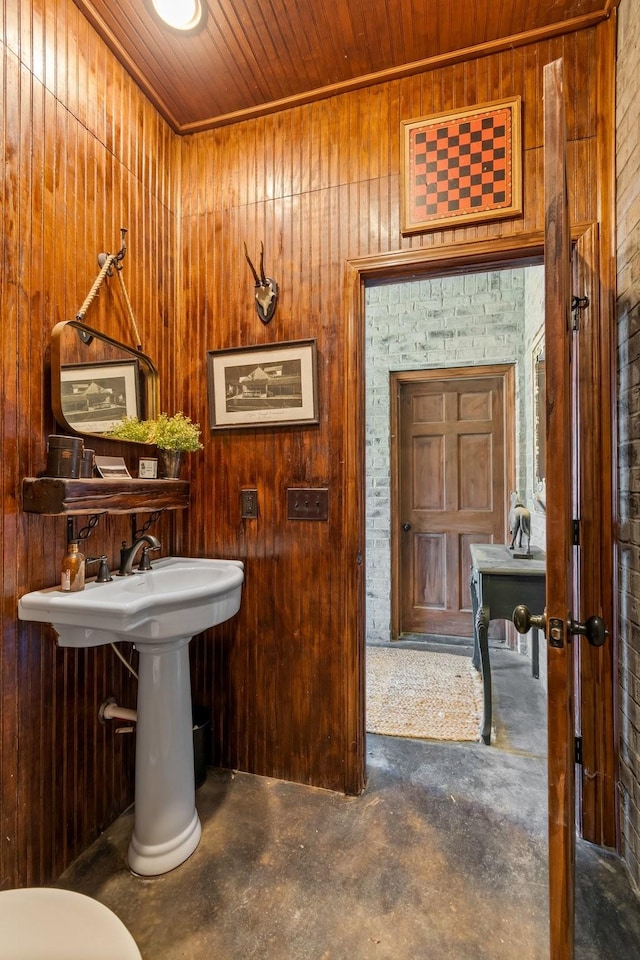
(498,584)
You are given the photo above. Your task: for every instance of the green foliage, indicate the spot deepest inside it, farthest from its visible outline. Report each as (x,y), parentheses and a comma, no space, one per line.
(130,428)
(176,433)
(168,433)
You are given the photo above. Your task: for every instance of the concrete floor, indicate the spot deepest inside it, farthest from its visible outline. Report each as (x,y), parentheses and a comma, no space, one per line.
(442,857)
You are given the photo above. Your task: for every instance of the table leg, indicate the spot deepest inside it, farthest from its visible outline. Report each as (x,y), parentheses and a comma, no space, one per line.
(481,658)
(473,589)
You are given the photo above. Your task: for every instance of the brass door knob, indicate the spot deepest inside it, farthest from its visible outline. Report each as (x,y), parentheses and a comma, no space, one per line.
(593,629)
(524,620)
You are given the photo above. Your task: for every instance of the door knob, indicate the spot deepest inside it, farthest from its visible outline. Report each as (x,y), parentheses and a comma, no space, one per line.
(593,629)
(524,620)
(406,527)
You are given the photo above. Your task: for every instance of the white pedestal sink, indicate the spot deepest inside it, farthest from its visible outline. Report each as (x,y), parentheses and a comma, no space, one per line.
(158,610)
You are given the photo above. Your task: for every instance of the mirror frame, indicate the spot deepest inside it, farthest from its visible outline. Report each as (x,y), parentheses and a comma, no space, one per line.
(150,394)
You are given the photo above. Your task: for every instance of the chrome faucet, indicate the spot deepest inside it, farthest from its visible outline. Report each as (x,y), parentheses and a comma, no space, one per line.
(127,554)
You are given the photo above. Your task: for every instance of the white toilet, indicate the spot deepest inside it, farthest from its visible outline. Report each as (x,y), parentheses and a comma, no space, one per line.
(43,923)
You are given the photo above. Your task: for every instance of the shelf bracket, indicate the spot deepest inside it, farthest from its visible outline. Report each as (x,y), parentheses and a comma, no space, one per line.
(153,518)
(85,532)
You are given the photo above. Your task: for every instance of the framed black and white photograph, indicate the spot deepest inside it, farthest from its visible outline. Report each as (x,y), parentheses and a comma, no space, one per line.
(97,396)
(261,386)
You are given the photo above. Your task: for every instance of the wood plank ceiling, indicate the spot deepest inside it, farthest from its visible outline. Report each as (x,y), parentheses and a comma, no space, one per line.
(256,56)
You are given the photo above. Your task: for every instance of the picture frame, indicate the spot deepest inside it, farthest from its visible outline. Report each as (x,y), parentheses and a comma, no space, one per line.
(95,397)
(268,385)
(463,166)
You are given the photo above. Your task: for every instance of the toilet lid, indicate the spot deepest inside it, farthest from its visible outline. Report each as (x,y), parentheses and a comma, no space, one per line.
(43,923)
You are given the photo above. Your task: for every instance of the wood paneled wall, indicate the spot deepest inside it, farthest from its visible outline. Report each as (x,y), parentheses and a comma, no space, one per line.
(320,185)
(86,154)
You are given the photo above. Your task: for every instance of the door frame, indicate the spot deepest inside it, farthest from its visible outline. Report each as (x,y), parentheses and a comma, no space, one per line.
(523,250)
(504,370)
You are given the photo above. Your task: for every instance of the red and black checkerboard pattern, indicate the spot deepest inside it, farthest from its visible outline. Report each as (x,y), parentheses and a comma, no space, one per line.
(461,167)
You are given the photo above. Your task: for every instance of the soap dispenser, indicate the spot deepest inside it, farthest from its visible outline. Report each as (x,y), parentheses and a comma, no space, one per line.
(73,566)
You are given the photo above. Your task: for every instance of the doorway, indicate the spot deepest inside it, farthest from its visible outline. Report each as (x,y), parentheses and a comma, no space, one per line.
(438,323)
(453,442)
(505,251)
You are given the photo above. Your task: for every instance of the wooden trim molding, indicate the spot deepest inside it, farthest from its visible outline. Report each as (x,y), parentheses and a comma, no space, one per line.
(524,250)
(353,535)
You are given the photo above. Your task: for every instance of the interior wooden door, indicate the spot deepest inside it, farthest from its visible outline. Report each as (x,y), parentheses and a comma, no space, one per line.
(452,476)
(560,412)
(573,424)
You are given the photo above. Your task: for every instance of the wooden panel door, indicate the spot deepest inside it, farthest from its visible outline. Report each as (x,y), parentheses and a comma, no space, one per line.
(560,412)
(452,491)
(571,419)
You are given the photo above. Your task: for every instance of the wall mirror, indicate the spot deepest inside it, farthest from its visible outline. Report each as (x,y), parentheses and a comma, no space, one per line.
(539,420)
(97,381)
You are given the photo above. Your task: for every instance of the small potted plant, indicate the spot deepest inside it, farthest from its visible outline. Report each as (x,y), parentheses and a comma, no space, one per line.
(173,436)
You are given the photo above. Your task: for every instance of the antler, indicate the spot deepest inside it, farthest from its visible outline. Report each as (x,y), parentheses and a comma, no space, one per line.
(262,276)
(253,269)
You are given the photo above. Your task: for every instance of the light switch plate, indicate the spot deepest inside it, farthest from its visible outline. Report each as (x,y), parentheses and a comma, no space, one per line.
(307,503)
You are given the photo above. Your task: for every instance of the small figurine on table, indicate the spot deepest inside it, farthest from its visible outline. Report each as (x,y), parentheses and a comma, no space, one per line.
(519,526)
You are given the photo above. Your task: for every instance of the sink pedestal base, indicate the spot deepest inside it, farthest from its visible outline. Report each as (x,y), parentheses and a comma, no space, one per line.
(166,827)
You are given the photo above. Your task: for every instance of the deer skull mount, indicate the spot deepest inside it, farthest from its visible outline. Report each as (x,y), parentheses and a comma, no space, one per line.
(266,289)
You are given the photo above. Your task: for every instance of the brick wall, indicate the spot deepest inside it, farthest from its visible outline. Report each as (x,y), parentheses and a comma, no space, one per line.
(444,322)
(628,283)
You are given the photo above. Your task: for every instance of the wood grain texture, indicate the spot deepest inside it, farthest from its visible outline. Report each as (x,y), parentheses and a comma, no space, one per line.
(250,60)
(86,153)
(560,553)
(452,432)
(320,186)
(53,496)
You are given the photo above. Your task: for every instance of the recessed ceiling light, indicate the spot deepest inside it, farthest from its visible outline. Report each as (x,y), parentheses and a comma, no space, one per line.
(185,16)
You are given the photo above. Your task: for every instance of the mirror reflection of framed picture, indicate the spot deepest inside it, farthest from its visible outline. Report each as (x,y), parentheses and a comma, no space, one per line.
(539,384)
(267,385)
(97,396)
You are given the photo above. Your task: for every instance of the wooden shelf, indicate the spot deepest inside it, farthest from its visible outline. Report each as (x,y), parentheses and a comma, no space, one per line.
(56,496)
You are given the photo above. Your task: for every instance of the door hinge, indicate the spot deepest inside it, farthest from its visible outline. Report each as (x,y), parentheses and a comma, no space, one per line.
(578,303)
(578,750)
(576,533)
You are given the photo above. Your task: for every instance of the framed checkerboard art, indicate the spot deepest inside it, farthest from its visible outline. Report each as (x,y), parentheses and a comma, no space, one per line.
(461,166)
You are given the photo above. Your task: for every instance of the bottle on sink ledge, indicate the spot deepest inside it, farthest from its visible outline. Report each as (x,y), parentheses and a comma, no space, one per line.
(73,568)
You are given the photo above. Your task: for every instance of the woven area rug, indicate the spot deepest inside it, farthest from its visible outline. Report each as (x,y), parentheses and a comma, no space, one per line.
(415,693)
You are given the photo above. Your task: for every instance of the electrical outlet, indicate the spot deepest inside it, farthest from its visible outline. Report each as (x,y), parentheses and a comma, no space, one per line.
(249,504)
